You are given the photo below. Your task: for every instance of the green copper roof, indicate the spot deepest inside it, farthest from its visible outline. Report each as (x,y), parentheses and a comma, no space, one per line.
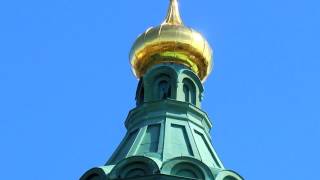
(168,134)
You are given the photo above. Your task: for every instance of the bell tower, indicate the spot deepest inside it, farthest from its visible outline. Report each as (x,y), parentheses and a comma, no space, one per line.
(168,134)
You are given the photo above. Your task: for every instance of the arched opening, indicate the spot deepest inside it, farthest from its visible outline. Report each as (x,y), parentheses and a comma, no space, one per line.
(164,89)
(229,178)
(186,173)
(186,92)
(135,169)
(187,170)
(189,91)
(135,173)
(140,93)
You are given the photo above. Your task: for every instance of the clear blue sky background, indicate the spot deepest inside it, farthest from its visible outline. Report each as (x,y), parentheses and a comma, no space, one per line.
(66,84)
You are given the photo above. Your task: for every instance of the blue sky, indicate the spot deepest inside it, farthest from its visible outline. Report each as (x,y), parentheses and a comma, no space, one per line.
(66,84)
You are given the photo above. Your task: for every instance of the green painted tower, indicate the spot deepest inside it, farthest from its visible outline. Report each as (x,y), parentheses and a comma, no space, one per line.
(168,134)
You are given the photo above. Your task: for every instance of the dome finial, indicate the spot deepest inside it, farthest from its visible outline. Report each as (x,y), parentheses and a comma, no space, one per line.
(173,15)
(171,42)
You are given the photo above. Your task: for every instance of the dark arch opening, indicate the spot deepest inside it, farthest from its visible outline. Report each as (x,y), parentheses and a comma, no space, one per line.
(135,169)
(140,93)
(164,89)
(186,173)
(189,91)
(186,92)
(229,178)
(187,170)
(135,173)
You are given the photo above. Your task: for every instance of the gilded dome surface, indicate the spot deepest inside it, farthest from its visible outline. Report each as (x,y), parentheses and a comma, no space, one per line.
(171,42)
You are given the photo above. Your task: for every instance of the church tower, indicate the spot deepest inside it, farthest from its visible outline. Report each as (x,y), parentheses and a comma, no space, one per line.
(168,134)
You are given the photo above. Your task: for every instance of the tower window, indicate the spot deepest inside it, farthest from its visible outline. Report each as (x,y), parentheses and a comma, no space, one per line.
(164,89)
(140,93)
(189,91)
(186,92)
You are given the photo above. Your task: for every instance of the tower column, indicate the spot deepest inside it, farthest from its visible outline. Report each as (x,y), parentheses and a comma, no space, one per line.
(180,96)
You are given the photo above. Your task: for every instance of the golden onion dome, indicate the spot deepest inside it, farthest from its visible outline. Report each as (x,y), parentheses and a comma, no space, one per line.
(171,42)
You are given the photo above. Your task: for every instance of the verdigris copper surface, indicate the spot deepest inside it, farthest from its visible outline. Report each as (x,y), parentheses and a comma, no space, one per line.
(168,134)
